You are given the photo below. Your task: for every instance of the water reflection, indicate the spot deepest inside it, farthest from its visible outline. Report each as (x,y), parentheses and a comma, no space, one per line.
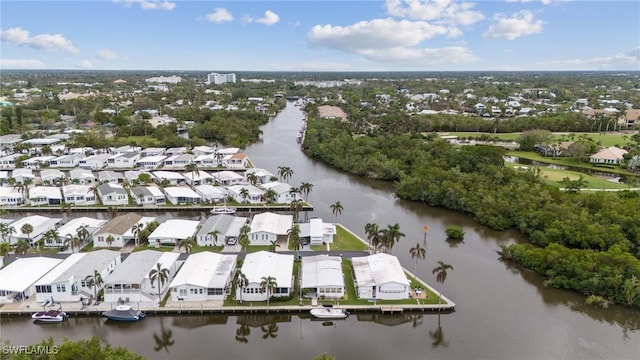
(438,336)
(453,243)
(242,333)
(164,340)
(269,331)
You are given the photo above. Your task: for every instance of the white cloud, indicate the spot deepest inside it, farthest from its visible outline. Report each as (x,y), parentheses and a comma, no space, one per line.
(629,60)
(21,37)
(439,11)
(520,24)
(21,64)
(149,4)
(106,54)
(544,2)
(85,64)
(269,18)
(219,15)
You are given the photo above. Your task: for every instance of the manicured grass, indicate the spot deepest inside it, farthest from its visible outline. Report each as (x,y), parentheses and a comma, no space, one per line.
(501,136)
(565,161)
(144,141)
(197,249)
(256,248)
(554,176)
(606,140)
(345,240)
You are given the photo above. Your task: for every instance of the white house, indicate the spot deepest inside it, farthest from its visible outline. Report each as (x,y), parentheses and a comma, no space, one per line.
(45,195)
(197,178)
(182,196)
(37,162)
(17,280)
(380,276)
(126,149)
(153,151)
(125,160)
(204,276)
(253,194)
(208,160)
(130,281)
(282,192)
(227,228)
(70,280)
(114,233)
(91,225)
(79,195)
(238,161)
(322,276)
(39,225)
(263,264)
(66,161)
(10,196)
(611,155)
(227,178)
(114,177)
(113,194)
(178,161)
(148,196)
(51,176)
(175,151)
(172,231)
(204,150)
(22,174)
(9,161)
(211,193)
(317,232)
(173,178)
(150,162)
(82,177)
(94,162)
(263,176)
(267,227)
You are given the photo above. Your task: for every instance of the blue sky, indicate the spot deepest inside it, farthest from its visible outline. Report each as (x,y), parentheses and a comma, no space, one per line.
(391,35)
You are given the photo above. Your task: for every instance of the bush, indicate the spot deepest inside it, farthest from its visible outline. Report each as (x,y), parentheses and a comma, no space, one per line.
(455,232)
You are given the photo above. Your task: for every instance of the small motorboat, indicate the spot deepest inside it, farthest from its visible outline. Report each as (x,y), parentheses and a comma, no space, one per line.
(218,210)
(49,316)
(124,313)
(329,313)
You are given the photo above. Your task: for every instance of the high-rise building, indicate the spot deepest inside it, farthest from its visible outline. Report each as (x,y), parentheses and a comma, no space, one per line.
(215,78)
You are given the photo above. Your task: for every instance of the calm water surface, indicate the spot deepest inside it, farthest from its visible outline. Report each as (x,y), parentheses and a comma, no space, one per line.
(503,312)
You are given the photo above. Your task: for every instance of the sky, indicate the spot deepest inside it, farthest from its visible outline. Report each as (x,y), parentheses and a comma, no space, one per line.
(317,35)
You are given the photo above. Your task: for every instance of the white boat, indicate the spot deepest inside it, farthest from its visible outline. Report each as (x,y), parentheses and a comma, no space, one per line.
(124,313)
(223,210)
(329,313)
(49,316)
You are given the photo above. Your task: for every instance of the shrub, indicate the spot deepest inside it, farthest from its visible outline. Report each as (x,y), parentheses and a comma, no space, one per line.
(455,232)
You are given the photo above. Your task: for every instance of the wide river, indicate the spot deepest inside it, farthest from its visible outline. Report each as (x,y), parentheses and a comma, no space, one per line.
(502,312)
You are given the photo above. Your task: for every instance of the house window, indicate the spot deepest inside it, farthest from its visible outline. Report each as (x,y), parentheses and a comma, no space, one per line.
(43,288)
(61,288)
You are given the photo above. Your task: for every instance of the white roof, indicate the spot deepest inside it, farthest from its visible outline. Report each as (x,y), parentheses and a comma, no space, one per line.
(137,266)
(210,190)
(22,273)
(271,223)
(378,269)
(155,191)
(145,220)
(175,229)
(81,174)
(206,269)
(178,191)
(262,264)
(72,226)
(198,176)
(51,173)
(49,192)
(226,175)
(76,189)
(322,271)
(24,172)
(610,153)
(10,192)
(54,274)
(40,224)
(316,228)
(83,267)
(231,150)
(278,187)
(170,175)
(154,158)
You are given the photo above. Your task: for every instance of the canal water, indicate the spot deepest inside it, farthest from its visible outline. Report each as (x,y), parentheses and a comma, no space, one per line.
(502,312)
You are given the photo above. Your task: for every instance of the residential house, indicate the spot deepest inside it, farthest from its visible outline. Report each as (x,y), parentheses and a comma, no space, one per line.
(610,156)
(322,276)
(9,161)
(173,178)
(282,191)
(17,280)
(204,150)
(130,282)
(91,225)
(263,176)
(21,174)
(126,160)
(380,276)
(178,161)
(82,177)
(113,194)
(173,231)
(110,176)
(153,151)
(79,195)
(204,276)
(10,196)
(148,196)
(126,149)
(182,196)
(175,151)
(226,178)
(317,232)
(246,193)
(39,226)
(45,195)
(227,228)
(94,162)
(197,178)
(51,176)
(260,265)
(66,161)
(238,161)
(37,162)
(150,162)
(630,119)
(114,233)
(210,193)
(267,227)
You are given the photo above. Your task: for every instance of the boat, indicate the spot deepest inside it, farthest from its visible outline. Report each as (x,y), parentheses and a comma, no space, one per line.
(329,313)
(49,316)
(124,313)
(223,209)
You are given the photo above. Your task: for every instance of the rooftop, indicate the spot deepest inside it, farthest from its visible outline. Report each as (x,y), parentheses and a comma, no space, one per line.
(24,272)
(206,269)
(137,266)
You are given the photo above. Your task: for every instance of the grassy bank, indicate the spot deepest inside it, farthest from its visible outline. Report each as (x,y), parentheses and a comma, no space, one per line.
(344,240)
(565,161)
(606,140)
(554,177)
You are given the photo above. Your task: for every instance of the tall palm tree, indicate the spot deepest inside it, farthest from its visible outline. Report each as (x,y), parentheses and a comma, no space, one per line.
(294,238)
(305,188)
(5,249)
(83,233)
(51,236)
(244,193)
(187,244)
(294,191)
(193,168)
(268,285)
(336,209)
(417,252)
(285,172)
(70,242)
(137,230)
(241,282)
(270,196)
(441,276)
(162,275)
(296,207)
(110,239)
(394,235)
(22,247)
(273,245)
(95,282)
(252,178)
(27,229)
(244,242)
(372,230)
(214,234)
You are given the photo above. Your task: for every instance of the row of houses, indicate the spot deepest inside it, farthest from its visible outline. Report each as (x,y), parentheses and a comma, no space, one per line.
(608,156)
(198,277)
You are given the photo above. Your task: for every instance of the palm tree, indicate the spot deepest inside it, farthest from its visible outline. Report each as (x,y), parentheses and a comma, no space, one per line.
(252,178)
(95,282)
(294,238)
(162,275)
(441,276)
(51,236)
(187,244)
(305,188)
(70,242)
(284,172)
(372,230)
(110,239)
(5,249)
(244,193)
(268,285)
(83,233)
(193,168)
(336,209)
(137,230)
(27,229)
(244,242)
(22,247)
(270,196)
(294,191)
(164,340)
(296,207)
(273,245)
(270,331)
(241,282)
(214,234)
(394,234)
(417,252)
(242,333)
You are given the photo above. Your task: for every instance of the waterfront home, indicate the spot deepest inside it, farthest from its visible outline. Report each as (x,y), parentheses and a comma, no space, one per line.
(17,280)
(178,161)
(79,195)
(82,177)
(322,276)
(150,162)
(204,150)
(317,232)
(173,178)
(10,196)
(72,229)
(126,160)
(172,231)
(227,178)
(114,233)
(226,227)
(282,191)
(238,161)
(113,194)
(70,280)
(39,224)
(66,161)
(126,149)
(152,151)
(84,151)
(130,281)
(210,193)
(37,162)
(4,177)
(197,178)
(110,176)
(148,196)
(9,161)
(262,264)
(263,176)
(45,195)
(204,276)
(175,151)
(610,156)
(246,193)
(208,160)
(267,227)
(182,196)
(131,176)
(21,174)
(380,276)
(94,162)
(51,176)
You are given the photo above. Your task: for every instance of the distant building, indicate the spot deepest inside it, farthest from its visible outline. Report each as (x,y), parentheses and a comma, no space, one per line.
(216,78)
(164,79)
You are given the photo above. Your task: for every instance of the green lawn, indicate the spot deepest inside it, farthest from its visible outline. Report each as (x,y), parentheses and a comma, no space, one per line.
(197,249)
(148,247)
(606,140)
(566,161)
(344,241)
(554,176)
